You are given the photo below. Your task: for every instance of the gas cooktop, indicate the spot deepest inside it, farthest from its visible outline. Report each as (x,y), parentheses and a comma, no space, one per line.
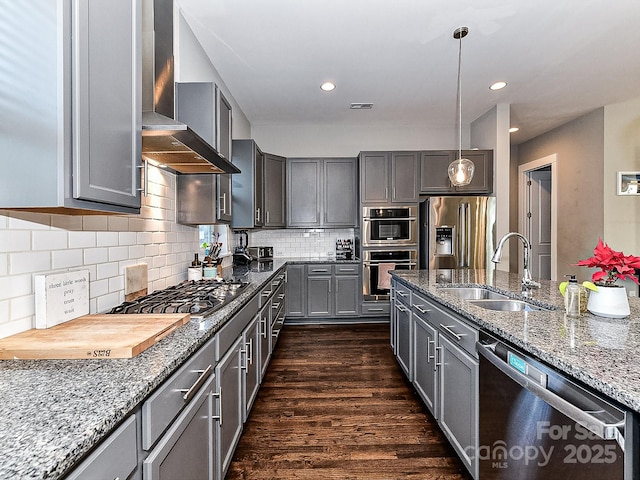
(199,298)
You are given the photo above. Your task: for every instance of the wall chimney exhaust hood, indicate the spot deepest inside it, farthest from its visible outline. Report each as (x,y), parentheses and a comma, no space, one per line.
(166,142)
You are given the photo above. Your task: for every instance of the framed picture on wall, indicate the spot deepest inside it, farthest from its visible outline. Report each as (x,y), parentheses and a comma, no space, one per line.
(627,183)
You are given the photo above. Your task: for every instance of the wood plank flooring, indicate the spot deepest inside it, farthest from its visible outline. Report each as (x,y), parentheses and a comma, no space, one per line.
(335,405)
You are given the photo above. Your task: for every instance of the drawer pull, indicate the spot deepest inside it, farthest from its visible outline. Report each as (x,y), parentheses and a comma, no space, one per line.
(204,374)
(438,357)
(266,293)
(447,328)
(375,310)
(421,310)
(319,270)
(402,294)
(275,306)
(250,359)
(402,308)
(429,356)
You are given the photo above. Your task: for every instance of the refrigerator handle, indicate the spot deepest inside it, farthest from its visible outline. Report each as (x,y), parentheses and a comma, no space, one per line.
(467,229)
(463,237)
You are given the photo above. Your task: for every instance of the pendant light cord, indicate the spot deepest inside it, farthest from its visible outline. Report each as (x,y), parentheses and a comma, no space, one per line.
(459,98)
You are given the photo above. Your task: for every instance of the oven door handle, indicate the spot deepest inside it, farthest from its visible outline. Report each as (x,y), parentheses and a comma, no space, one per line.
(399,264)
(605,431)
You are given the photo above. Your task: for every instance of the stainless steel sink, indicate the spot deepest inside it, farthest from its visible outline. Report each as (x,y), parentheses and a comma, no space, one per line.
(506,305)
(473,293)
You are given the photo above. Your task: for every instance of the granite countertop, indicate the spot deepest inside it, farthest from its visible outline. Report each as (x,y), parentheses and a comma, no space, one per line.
(52,412)
(600,352)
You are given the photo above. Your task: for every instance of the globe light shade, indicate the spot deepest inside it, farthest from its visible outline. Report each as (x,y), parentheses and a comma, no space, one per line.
(461,172)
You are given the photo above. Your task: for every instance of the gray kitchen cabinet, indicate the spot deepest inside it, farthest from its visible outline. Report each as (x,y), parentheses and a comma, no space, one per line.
(248,209)
(274,191)
(203,199)
(425,339)
(319,290)
(388,177)
(458,415)
(347,289)
(321,192)
(434,179)
(86,130)
(186,449)
(116,457)
(250,365)
(296,292)
(229,414)
(265,336)
(224,145)
(443,366)
(404,330)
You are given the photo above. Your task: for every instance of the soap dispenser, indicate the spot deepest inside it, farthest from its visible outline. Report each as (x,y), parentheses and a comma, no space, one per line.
(572,297)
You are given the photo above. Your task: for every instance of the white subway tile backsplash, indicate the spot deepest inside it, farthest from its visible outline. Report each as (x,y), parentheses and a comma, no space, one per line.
(22,307)
(15,241)
(98,288)
(107,302)
(29,221)
(118,224)
(116,284)
(15,286)
(96,255)
(106,270)
(82,239)
(136,251)
(49,240)
(95,222)
(63,259)
(4,264)
(127,238)
(29,262)
(118,253)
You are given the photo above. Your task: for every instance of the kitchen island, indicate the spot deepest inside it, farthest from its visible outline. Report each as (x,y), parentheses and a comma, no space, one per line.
(600,352)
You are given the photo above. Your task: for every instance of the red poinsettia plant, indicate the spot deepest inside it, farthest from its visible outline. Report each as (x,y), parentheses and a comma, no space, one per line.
(613,265)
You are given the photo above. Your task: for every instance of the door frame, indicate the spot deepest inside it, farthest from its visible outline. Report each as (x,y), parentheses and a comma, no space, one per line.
(551,161)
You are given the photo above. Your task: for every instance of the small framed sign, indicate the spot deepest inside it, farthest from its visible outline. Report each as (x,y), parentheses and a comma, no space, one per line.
(628,183)
(61,297)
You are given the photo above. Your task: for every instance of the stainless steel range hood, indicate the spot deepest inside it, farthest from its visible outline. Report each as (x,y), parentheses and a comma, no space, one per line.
(165,141)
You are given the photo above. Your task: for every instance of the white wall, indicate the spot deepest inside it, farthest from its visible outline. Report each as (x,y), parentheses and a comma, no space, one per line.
(35,243)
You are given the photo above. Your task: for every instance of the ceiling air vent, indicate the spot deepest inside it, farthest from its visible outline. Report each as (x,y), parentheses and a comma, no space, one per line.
(361,106)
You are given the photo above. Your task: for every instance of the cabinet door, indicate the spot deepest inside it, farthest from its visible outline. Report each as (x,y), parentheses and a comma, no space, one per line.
(482,181)
(374,177)
(186,449)
(340,199)
(459,400)
(296,293)
(258,186)
(107,108)
(424,362)
(303,192)
(250,365)
(274,190)
(347,298)
(433,172)
(224,145)
(319,295)
(224,198)
(404,177)
(265,336)
(229,407)
(403,337)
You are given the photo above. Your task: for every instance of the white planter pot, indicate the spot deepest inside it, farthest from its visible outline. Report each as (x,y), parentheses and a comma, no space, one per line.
(611,302)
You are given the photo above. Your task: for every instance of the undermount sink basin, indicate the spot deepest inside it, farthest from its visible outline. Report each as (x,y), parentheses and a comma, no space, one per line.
(506,305)
(474,293)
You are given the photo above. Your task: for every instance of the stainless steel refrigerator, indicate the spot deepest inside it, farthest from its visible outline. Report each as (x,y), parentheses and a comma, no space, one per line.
(457,232)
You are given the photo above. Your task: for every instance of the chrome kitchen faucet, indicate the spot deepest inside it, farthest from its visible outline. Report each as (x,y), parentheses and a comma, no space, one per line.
(527,281)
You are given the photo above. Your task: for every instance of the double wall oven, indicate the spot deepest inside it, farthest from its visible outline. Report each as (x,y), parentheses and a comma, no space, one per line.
(389,242)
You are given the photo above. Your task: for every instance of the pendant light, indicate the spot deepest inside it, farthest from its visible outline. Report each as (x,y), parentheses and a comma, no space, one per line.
(461,170)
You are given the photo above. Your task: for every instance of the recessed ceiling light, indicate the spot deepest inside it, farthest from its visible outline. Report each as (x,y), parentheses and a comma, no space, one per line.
(328,86)
(498,86)
(513,129)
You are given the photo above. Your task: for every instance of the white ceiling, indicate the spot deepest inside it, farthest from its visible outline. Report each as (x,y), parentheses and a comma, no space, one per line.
(561,58)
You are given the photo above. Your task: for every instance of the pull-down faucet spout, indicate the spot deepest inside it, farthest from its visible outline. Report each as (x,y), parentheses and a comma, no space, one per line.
(527,281)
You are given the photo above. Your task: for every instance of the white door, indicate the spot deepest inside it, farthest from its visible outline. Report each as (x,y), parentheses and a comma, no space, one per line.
(538,221)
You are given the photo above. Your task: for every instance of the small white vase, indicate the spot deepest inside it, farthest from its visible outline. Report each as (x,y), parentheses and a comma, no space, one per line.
(611,302)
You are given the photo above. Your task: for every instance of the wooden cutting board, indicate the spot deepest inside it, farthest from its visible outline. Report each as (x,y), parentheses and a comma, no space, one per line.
(99,336)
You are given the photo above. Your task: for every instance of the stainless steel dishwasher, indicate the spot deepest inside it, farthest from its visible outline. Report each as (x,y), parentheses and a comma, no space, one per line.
(536,424)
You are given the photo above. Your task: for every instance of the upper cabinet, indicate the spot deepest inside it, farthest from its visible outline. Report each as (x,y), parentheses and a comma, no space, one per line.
(76,110)
(204,199)
(388,177)
(321,192)
(434,179)
(259,191)
(274,190)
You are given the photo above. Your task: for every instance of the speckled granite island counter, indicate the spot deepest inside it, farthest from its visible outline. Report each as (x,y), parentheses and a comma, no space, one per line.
(600,352)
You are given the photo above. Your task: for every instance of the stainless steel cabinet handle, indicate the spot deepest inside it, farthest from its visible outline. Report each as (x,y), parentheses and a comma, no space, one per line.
(250,351)
(218,395)
(402,294)
(401,308)
(243,354)
(267,216)
(438,356)
(319,270)
(266,293)
(204,374)
(281,296)
(421,310)
(429,356)
(275,306)
(145,187)
(263,327)
(258,216)
(606,431)
(447,328)
(223,200)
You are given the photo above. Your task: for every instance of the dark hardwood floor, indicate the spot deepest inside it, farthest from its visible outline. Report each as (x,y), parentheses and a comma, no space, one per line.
(335,405)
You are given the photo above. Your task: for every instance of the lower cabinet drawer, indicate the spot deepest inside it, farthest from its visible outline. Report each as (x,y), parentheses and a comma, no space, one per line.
(376,308)
(159,410)
(116,457)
